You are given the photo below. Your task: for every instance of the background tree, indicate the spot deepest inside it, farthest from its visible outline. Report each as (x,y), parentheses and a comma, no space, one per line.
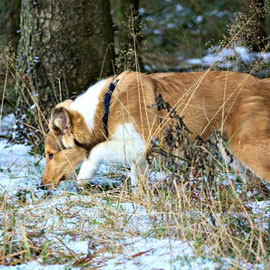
(10,22)
(64,47)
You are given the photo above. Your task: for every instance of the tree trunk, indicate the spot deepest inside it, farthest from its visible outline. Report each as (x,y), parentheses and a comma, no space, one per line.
(255,9)
(10,22)
(65,46)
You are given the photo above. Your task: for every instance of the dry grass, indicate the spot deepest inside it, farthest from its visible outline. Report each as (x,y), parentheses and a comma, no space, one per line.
(230,226)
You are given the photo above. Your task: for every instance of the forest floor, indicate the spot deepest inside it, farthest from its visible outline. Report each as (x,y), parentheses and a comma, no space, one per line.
(108,228)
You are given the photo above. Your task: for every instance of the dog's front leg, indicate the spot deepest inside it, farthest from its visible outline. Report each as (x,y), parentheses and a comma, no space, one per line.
(125,152)
(87,170)
(91,164)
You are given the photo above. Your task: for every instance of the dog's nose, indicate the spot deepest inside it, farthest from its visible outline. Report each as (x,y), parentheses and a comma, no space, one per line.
(42,186)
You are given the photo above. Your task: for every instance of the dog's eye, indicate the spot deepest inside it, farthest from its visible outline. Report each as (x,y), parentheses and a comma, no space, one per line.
(50,156)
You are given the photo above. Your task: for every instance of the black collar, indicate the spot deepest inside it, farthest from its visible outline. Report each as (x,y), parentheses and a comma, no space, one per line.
(107,100)
(82,145)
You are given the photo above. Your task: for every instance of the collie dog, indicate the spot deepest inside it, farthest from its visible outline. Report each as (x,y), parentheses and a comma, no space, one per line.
(115,120)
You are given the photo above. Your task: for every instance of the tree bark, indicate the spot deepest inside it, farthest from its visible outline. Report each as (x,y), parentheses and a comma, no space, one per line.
(10,22)
(65,46)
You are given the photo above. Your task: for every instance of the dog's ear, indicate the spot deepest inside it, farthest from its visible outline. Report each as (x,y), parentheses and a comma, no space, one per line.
(60,119)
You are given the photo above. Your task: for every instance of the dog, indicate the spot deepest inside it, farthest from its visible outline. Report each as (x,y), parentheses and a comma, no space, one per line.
(115,120)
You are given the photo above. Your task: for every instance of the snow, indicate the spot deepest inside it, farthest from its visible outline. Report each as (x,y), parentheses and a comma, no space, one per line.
(138,253)
(6,123)
(33,265)
(14,161)
(158,254)
(224,58)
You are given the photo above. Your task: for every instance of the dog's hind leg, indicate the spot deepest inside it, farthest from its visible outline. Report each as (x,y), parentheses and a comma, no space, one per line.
(256,156)
(230,159)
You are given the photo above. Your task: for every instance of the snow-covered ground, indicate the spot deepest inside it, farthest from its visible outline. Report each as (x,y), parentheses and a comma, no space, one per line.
(21,171)
(72,230)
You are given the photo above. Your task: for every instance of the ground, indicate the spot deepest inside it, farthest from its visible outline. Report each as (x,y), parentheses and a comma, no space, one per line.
(111,228)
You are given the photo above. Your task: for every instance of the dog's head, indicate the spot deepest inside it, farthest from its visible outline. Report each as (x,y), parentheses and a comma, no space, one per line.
(63,151)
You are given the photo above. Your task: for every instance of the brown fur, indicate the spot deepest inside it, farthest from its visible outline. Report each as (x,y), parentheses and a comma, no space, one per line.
(237,104)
